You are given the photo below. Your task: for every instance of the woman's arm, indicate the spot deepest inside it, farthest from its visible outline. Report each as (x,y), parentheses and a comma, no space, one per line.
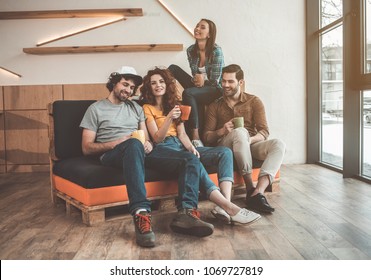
(183,137)
(158,134)
(215,67)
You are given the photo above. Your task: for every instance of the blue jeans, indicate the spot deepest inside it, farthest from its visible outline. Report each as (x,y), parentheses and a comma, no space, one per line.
(219,157)
(170,156)
(193,173)
(129,157)
(196,97)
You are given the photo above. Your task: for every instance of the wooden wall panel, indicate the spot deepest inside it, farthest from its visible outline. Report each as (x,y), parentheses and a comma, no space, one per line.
(26,137)
(14,168)
(1,99)
(31,97)
(2,143)
(2,133)
(24,145)
(85,92)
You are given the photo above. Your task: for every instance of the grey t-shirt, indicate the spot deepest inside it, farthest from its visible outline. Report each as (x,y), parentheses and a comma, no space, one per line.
(112,121)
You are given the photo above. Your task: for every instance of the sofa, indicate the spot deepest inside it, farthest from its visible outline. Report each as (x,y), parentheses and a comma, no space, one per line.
(82,182)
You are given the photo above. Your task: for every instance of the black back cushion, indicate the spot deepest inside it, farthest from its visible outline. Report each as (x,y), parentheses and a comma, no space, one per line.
(67,132)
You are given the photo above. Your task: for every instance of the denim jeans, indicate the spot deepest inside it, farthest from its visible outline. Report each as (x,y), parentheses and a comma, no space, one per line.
(196,97)
(129,157)
(222,158)
(170,156)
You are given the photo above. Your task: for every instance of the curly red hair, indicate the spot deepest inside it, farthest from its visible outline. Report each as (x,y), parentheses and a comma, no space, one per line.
(170,98)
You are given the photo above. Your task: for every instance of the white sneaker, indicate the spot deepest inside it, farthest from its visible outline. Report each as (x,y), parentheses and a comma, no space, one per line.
(221,215)
(197,143)
(245,216)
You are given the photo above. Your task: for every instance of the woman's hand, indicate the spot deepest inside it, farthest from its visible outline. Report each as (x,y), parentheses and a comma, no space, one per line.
(174,113)
(198,80)
(193,150)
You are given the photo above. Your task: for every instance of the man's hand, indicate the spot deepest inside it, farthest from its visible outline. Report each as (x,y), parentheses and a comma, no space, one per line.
(148,147)
(228,127)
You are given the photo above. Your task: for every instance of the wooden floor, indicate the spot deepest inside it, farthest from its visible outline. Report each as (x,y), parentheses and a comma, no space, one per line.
(319,215)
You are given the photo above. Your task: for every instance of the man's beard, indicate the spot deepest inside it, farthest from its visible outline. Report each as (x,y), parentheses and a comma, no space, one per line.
(232,92)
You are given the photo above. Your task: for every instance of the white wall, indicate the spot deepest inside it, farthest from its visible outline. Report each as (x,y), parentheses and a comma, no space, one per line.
(266,37)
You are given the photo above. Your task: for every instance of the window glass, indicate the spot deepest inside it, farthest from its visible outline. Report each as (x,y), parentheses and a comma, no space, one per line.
(332,97)
(366,141)
(331,10)
(367,36)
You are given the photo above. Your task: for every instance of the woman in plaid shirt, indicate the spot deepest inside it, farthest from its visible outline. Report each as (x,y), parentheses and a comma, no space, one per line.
(206,61)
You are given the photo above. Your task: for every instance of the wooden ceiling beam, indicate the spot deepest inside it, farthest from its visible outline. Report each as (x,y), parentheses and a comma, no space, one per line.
(133,12)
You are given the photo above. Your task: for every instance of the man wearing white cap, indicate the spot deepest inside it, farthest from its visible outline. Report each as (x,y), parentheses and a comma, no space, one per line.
(107,128)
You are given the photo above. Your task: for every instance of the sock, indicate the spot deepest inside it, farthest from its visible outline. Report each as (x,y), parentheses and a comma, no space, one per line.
(141,210)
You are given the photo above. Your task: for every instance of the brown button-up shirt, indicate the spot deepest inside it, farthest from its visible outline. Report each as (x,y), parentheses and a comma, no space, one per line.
(249,106)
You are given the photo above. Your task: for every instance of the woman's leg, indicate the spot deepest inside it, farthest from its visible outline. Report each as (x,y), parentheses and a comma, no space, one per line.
(181,76)
(198,98)
(220,200)
(169,158)
(229,212)
(222,159)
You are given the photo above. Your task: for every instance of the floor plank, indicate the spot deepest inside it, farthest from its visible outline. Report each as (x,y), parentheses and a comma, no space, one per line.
(319,215)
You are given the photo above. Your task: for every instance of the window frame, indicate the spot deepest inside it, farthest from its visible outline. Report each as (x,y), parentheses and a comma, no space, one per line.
(354,82)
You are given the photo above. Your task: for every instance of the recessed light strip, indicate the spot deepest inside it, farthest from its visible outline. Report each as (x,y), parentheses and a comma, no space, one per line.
(79,32)
(176,17)
(11,72)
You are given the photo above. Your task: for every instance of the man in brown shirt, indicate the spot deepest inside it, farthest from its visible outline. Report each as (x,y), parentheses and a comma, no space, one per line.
(248,141)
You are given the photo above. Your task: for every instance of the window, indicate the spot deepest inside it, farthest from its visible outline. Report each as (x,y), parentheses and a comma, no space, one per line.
(331,10)
(331,61)
(339,85)
(366,139)
(367,34)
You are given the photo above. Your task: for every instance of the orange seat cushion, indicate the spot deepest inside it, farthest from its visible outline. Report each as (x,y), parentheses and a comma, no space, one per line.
(112,194)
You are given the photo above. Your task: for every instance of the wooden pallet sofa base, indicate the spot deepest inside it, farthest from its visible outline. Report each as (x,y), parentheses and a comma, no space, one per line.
(93,203)
(83,183)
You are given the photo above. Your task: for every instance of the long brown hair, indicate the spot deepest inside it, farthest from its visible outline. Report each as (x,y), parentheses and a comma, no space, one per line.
(170,98)
(210,43)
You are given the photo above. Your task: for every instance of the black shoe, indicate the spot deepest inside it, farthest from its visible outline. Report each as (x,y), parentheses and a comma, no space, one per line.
(249,193)
(187,221)
(259,203)
(144,235)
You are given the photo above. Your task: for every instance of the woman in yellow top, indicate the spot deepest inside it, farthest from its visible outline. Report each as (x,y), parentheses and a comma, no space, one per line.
(171,141)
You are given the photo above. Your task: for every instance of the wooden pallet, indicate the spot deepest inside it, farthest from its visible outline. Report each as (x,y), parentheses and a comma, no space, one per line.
(92,215)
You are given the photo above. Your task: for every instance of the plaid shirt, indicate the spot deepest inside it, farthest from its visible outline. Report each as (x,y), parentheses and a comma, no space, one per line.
(213,67)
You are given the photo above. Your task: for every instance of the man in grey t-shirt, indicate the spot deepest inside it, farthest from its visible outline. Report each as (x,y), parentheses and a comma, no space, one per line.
(107,128)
